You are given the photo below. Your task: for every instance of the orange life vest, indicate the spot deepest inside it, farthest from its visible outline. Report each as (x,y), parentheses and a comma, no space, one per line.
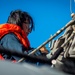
(12,28)
(8,28)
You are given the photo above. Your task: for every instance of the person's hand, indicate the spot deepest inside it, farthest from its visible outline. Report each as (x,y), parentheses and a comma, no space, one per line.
(43,50)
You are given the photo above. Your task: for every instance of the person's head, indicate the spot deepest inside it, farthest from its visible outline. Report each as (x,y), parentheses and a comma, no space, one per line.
(22,19)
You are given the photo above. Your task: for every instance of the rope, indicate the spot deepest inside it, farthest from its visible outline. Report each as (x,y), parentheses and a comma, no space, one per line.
(34,58)
(56,34)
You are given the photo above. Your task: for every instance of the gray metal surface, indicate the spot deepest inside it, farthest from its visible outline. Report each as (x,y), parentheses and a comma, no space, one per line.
(8,68)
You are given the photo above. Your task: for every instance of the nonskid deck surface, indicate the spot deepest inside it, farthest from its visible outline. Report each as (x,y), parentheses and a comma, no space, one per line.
(8,68)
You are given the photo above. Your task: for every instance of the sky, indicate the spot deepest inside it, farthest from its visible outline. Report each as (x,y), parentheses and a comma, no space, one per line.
(49,16)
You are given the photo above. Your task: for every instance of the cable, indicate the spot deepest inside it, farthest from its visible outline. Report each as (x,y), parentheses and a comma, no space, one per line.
(72,14)
(71,6)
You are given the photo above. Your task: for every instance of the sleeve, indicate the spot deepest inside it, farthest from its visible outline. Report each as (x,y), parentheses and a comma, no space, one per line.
(11,42)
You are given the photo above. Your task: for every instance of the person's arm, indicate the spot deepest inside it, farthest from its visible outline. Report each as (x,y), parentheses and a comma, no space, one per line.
(11,42)
(41,52)
(44,50)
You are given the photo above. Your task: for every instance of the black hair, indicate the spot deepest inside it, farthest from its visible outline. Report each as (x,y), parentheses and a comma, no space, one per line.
(18,17)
